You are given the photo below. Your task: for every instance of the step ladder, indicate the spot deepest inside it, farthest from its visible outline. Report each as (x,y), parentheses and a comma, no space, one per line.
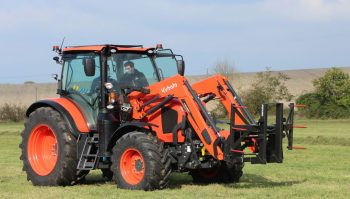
(89,155)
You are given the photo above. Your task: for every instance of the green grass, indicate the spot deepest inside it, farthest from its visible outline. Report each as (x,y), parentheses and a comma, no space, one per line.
(322,170)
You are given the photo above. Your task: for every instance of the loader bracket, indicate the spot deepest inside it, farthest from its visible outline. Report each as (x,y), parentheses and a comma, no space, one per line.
(265,139)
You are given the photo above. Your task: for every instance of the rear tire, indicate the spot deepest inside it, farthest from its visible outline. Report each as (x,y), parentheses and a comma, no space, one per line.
(139,161)
(48,149)
(223,173)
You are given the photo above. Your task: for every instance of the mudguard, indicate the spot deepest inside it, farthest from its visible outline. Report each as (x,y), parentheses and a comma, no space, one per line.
(126,128)
(69,111)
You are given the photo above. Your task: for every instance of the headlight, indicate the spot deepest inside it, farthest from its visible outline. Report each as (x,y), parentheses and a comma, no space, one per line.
(108,85)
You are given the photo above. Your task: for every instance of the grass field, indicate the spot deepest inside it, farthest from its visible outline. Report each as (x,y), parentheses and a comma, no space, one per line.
(322,170)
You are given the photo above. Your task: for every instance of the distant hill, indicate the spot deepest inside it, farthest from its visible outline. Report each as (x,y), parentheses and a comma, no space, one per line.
(299,83)
(25,94)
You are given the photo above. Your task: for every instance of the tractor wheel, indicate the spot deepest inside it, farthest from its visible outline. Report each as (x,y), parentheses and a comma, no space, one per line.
(80,176)
(231,173)
(223,173)
(141,162)
(107,174)
(48,149)
(205,176)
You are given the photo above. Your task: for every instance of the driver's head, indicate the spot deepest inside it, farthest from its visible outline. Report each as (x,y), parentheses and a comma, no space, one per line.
(129,67)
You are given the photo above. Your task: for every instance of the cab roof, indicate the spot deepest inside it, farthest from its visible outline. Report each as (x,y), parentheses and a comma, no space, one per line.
(97,48)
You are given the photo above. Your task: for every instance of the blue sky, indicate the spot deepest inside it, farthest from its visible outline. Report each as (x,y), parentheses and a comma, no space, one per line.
(250,34)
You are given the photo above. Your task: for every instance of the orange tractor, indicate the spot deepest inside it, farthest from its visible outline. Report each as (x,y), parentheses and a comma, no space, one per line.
(128,110)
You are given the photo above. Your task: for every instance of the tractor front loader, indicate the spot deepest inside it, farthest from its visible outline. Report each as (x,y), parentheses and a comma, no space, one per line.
(264,141)
(128,111)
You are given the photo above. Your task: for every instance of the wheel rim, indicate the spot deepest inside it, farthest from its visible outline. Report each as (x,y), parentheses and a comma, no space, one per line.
(132,166)
(42,150)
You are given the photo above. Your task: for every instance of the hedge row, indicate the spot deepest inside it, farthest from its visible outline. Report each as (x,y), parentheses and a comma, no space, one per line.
(12,112)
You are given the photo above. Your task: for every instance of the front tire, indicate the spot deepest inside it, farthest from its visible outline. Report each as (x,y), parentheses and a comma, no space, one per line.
(48,149)
(223,173)
(139,161)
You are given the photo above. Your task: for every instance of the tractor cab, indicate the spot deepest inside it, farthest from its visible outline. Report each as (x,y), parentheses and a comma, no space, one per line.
(82,68)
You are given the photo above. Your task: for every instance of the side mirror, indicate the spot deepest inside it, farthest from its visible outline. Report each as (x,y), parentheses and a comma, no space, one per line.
(89,67)
(54,76)
(180,67)
(57,59)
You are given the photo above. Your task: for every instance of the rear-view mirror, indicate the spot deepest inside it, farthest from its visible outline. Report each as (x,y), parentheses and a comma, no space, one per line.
(89,67)
(181,67)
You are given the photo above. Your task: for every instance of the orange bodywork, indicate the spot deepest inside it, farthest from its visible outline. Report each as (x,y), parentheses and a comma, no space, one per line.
(156,118)
(184,104)
(100,47)
(83,48)
(211,86)
(74,111)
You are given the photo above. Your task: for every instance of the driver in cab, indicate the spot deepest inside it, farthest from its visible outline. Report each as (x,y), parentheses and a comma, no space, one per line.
(132,76)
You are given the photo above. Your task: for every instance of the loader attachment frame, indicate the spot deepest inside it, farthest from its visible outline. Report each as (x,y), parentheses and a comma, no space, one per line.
(266,140)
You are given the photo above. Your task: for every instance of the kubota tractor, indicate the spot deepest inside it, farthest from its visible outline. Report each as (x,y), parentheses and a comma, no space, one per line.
(137,134)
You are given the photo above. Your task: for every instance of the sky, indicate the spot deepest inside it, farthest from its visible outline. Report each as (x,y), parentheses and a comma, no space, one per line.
(250,34)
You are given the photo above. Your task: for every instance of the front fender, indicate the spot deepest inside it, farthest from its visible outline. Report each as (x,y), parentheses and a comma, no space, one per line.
(126,128)
(68,110)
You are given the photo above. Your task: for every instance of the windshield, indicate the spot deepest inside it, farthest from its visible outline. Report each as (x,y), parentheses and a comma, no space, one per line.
(142,70)
(134,69)
(127,68)
(166,63)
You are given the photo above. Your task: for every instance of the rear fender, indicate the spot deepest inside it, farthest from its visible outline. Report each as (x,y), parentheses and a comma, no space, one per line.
(68,110)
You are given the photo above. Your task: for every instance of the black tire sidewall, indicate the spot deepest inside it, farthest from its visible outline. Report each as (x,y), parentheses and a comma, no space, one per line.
(120,149)
(156,159)
(225,173)
(38,117)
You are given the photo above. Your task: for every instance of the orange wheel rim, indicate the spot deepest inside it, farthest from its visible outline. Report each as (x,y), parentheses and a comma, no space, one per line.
(132,166)
(42,149)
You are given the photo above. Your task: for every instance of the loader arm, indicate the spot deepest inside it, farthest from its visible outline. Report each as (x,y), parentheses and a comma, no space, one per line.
(177,87)
(218,87)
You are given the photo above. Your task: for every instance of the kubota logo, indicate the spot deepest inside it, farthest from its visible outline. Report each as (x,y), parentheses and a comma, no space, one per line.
(168,88)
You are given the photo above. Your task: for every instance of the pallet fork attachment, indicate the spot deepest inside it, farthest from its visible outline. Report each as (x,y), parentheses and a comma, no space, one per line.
(265,139)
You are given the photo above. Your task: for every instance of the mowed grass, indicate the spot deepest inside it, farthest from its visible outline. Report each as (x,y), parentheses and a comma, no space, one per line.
(322,170)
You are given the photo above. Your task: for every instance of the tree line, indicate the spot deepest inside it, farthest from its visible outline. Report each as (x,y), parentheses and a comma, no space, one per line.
(330,98)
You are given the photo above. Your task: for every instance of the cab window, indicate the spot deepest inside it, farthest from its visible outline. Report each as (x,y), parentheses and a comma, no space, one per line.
(74,77)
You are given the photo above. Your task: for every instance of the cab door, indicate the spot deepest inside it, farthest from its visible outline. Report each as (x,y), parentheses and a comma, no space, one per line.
(83,90)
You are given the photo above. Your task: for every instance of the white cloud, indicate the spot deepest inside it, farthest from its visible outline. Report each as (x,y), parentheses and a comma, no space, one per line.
(309,10)
(116,14)
(200,30)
